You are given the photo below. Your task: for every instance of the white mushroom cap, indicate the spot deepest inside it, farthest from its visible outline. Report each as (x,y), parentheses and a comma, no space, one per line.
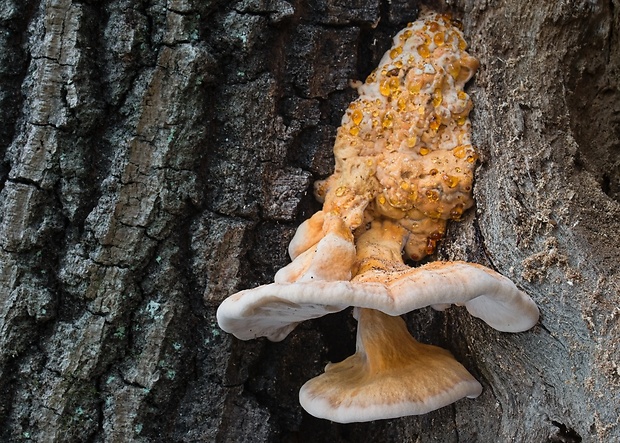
(485,293)
(391,375)
(274,310)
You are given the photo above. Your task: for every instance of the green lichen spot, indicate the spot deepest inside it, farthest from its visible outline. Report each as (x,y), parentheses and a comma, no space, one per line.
(120,332)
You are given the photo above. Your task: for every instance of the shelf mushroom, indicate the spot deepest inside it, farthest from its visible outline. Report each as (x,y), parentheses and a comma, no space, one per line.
(382,282)
(404,167)
(391,374)
(274,310)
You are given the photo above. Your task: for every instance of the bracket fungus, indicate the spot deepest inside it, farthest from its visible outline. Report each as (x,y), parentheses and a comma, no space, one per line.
(404,168)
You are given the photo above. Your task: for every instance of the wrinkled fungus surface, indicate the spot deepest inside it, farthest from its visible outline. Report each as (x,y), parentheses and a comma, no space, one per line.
(404,168)
(404,148)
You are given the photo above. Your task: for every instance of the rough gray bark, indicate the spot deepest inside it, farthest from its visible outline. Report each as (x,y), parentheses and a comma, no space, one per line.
(157,157)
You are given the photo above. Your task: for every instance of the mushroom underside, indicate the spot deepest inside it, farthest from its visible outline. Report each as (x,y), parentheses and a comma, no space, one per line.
(391,375)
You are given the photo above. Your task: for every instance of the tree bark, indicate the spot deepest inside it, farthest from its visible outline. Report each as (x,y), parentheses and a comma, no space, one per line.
(157,156)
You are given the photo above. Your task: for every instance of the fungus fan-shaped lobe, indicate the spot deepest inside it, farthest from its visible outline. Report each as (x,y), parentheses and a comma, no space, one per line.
(308,234)
(331,259)
(274,310)
(319,254)
(486,294)
(391,375)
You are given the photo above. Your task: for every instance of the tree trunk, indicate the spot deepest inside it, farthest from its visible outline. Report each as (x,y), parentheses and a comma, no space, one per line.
(158,156)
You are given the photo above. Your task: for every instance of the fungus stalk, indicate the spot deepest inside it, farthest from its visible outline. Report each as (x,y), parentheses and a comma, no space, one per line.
(380,247)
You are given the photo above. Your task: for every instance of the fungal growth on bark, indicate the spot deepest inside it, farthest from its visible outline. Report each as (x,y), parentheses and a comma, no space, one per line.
(390,375)
(404,168)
